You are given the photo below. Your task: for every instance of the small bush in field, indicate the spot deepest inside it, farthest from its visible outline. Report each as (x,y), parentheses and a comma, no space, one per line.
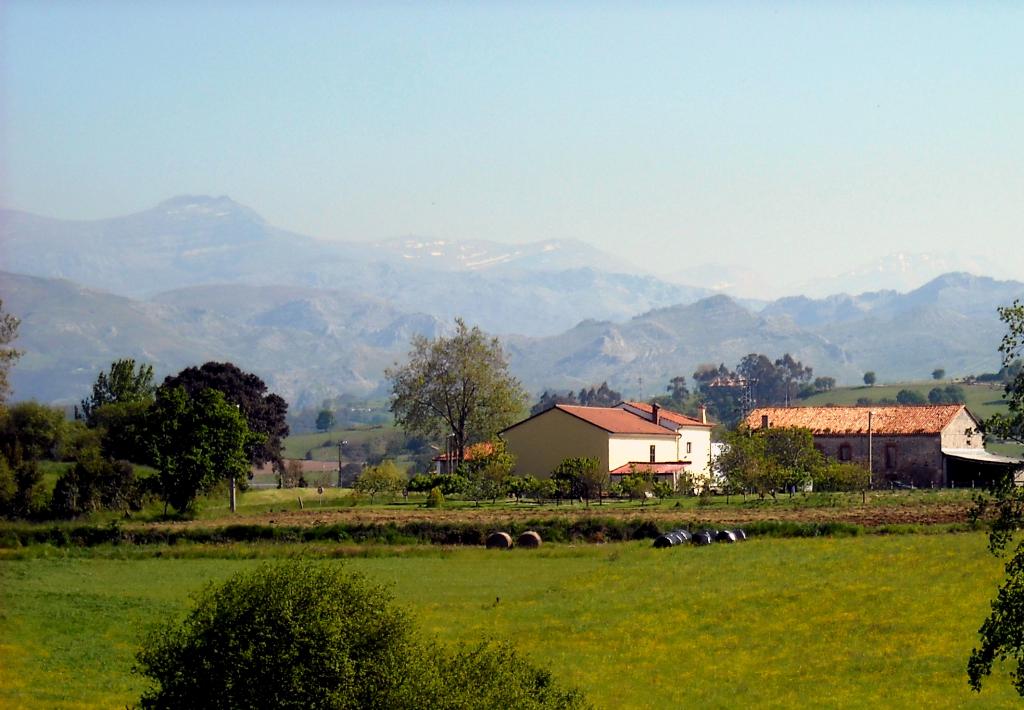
(435,499)
(307,635)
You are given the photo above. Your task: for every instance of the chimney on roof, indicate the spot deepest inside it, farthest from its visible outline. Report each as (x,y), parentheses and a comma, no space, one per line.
(655,413)
(764,421)
(703,414)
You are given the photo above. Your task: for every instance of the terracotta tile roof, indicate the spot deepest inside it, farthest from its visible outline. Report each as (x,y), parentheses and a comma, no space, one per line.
(838,421)
(676,417)
(473,451)
(645,467)
(615,420)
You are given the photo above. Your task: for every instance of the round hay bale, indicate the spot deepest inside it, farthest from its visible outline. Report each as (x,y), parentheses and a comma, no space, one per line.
(530,538)
(499,541)
(725,536)
(663,541)
(701,538)
(740,534)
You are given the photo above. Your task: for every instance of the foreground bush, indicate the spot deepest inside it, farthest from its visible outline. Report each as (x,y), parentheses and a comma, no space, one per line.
(306,635)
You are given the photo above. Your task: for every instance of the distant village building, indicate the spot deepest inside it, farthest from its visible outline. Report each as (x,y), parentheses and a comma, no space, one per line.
(924,446)
(632,436)
(448,462)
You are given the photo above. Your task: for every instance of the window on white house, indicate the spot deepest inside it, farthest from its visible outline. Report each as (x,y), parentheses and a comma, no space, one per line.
(653,457)
(689,447)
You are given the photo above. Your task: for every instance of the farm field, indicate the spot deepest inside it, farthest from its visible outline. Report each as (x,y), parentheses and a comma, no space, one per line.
(828,622)
(323,444)
(282,507)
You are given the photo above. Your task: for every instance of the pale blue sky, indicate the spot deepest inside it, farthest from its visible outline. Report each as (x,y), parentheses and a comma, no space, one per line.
(789,137)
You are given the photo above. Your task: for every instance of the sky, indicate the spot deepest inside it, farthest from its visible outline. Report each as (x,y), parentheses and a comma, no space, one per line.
(790,140)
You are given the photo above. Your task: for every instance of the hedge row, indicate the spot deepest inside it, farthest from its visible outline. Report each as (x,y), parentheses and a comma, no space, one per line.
(551,530)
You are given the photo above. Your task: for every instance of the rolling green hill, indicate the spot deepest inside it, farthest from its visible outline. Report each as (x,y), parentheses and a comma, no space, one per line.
(983,400)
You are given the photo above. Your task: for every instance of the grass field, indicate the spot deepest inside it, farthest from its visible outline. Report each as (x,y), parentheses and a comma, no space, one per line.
(852,622)
(982,399)
(324,445)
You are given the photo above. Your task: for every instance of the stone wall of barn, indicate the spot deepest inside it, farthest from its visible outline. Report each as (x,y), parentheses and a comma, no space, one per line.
(913,459)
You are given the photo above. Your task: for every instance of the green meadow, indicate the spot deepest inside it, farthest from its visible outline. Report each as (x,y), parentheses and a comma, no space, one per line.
(869,621)
(982,399)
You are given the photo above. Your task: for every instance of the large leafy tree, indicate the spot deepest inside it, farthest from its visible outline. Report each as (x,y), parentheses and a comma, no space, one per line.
(458,386)
(196,442)
(8,355)
(125,383)
(265,413)
(1002,633)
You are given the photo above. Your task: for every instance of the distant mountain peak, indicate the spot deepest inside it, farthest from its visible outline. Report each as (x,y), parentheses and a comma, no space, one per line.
(191,206)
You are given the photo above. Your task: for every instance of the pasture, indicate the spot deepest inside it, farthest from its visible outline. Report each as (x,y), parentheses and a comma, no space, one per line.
(983,399)
(829,622)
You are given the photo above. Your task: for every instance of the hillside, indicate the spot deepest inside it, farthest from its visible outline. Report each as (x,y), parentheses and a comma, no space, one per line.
(306,343)
(311,343)
(536,288)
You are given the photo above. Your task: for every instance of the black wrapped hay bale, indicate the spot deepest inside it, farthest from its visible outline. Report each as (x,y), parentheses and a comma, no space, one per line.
(703,537)
(672,538)
(499,541)
(664,541)
(725,536)
(530,538)
(740,535)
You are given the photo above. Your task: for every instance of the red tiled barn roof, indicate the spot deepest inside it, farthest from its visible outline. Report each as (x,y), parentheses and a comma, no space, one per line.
(847,421)
(676,417)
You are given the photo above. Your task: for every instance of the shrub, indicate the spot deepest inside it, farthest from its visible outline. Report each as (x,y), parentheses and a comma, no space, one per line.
(435,499)
(300,635)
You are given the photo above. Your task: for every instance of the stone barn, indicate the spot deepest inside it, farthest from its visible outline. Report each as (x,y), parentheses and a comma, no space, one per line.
(924,446)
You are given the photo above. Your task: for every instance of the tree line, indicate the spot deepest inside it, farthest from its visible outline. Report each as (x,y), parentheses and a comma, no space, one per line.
(198,428)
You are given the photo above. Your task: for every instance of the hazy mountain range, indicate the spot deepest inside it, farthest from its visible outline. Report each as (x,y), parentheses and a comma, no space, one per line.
(199,278)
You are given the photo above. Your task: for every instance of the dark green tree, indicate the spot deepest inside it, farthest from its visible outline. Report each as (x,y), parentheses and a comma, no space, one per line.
(910,397)
(196,442)
(123,429)
(824,384)
(581,476)
(96,483)
(869,378)
(950,394)
(1002,633)
(938,373)
(550,398)
(600,396)
(32,431)
(790,453)
(325,420)
(8,355)
(265,414)
(125,383)
(458,386)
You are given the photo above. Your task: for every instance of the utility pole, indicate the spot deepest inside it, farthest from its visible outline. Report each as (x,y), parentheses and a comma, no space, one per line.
(233,496)
(340,444)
